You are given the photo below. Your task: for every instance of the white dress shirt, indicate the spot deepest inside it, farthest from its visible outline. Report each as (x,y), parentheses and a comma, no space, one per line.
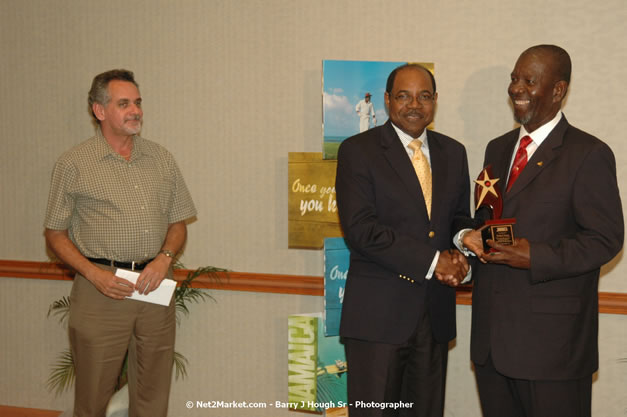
(406,140)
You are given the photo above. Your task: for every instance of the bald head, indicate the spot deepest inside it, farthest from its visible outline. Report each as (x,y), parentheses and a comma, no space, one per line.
(390,83)
(557,58)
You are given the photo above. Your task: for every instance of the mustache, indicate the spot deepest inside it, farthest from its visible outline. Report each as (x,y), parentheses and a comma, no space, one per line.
(414,113)
(134,117)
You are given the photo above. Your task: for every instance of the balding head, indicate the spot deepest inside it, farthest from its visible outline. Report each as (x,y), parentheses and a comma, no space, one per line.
(558,58)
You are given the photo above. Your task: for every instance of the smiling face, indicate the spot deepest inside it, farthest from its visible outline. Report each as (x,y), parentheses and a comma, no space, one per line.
(122,115)
(411,102)
(535,90)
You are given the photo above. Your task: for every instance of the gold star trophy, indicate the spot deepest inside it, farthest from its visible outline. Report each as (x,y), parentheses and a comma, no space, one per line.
(488,195)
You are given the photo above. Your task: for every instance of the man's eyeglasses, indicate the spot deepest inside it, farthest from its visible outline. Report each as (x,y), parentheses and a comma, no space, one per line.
(423,98)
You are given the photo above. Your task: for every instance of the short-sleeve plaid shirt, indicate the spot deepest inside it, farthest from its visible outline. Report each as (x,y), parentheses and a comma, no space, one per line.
(114,208)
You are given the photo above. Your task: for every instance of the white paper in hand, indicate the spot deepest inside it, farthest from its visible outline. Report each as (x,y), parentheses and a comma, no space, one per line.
(162,295)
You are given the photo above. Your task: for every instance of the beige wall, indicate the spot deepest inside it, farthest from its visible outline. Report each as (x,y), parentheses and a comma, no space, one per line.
(230,87)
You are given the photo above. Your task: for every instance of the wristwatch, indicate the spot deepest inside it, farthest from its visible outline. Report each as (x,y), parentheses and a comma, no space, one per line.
(167,253)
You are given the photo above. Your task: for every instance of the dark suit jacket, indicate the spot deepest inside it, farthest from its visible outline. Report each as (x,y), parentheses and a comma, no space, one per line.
(392,241)
(542,323)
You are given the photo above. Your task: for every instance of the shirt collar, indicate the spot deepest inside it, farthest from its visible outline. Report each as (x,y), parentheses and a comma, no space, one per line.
(407,139)
(103,148)
(540,134)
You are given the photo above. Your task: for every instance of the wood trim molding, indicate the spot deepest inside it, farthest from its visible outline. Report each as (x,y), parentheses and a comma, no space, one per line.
(36,270)
(609,302)
(256,282)
(10,411)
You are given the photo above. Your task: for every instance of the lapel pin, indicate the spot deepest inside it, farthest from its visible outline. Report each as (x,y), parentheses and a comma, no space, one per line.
(540,163)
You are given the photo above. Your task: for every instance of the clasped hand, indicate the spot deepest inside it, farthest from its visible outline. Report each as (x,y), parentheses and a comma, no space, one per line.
(151,277)
(452,267)
(119,288)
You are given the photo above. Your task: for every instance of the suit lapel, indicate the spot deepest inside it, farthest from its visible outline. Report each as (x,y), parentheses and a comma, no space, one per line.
(439,173)
(541,158)
(398,159)
(501,167)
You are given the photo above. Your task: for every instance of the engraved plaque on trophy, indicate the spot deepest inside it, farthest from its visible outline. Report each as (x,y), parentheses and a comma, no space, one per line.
(488,195)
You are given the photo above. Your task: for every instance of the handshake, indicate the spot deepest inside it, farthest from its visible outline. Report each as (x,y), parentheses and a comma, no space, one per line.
(452,266)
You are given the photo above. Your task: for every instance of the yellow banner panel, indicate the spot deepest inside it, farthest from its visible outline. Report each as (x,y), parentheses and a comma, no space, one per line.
(312,208)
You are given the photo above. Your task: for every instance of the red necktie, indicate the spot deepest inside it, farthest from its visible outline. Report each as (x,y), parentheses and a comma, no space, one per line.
(519,161)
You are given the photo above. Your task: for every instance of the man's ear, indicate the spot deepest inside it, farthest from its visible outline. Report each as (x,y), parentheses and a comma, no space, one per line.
(559,91)
(98,110)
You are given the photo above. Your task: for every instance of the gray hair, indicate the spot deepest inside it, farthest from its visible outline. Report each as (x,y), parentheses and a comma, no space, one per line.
(99,93)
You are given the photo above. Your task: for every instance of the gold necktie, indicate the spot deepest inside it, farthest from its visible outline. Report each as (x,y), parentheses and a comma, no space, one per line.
(423,171)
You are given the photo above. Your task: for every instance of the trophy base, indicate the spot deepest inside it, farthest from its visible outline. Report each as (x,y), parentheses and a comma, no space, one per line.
(499,230)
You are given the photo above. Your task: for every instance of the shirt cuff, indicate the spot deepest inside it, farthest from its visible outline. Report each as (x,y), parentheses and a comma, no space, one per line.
(433,264)
(468,276)
(457,241)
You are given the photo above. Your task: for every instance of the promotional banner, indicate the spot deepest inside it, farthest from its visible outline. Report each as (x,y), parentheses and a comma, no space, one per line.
(312,208)
(316,367)
(336,261)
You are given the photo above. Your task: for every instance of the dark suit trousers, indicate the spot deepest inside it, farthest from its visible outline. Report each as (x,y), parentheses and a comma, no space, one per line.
(507,397)
(412,372)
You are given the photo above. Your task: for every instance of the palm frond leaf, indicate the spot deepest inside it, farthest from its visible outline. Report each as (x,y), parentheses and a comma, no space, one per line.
(185,294)
(212,272)
(60,309)
(62,375)
(180,365)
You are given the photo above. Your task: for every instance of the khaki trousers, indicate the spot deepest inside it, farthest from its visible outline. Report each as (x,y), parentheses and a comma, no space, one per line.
(101,330)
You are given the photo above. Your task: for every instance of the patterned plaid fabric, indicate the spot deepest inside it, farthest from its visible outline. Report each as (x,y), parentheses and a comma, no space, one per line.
(113,208)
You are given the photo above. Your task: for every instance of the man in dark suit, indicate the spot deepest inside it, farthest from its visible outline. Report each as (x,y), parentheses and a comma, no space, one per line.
(397,199)
(535,303)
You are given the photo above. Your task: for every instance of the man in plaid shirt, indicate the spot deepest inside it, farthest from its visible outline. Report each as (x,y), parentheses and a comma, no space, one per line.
(118,200)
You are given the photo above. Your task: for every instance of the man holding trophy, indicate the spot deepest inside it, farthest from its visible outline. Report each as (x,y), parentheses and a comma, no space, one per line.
(550,197)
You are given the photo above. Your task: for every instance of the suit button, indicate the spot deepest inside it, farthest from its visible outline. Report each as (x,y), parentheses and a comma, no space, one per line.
(431,233)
